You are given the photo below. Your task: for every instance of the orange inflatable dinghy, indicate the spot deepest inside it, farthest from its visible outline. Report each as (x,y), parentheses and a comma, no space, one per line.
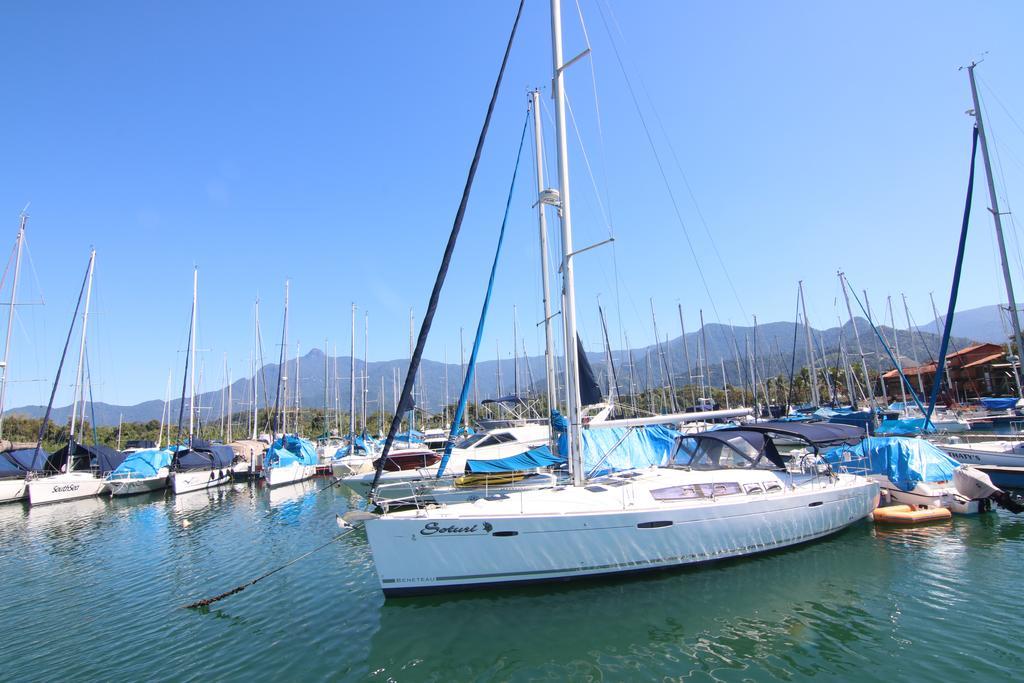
(910,514)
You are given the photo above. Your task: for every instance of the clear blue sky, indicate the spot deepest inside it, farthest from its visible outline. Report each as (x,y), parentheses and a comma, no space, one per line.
(328,143)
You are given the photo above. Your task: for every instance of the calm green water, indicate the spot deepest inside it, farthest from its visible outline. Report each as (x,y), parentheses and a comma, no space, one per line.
(93,590)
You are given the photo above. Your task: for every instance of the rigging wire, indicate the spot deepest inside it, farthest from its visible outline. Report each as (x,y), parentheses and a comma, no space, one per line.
(675,156)
(661,168)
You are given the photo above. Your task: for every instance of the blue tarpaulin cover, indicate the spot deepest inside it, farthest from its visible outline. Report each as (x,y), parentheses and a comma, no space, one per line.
(145,463)
(904,427)
(639,447)
(291,449)
(999,403)
(903,460)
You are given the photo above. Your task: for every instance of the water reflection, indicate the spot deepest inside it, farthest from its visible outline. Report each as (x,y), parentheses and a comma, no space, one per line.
(721,615)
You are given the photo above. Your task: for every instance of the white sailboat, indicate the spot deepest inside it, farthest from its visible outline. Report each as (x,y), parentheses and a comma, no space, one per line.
(77,478)
(200,465)
(653,518)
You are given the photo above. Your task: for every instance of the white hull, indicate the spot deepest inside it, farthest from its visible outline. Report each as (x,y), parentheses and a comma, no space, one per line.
(998,453)
(198,480)
(12,490)
(278,476)
(352,465)
(62,487)
(130,487)
(565,533)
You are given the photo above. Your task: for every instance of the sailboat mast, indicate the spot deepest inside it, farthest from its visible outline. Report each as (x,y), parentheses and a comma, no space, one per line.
(815,397)
(910,331)
(575,434)
(997,217)
(549,344)
(366,355)
(878,354)
(860,348)
(230,413)
(165,415)
(10,320)
(192,359)
(686,353)
(298,394)
(223,397)
(462,363)
(81,357)
(256,372)
(707,359)
(352,378)
(284,364)
(515,350)
(896,343)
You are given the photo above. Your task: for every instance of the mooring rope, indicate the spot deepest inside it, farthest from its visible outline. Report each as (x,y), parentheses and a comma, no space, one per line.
(238,589)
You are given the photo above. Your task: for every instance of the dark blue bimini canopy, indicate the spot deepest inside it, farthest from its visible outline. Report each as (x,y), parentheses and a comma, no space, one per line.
(86,457)
(814,433)
(17,463)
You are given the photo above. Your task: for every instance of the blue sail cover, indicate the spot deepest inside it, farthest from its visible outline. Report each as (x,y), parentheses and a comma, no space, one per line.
(903,460)
(905,427)
(17,463)
(290,450)
(145,463)
(999,403)
(541,456)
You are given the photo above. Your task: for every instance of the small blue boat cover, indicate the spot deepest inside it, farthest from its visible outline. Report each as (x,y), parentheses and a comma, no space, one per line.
(905,427)
(903,460)
(291,449)
(541,456)
(999,403)
(145,463)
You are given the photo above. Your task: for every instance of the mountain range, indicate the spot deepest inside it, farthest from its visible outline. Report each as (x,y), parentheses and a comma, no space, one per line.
(780,346)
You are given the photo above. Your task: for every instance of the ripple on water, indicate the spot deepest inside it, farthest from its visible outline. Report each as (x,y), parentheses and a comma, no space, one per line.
(90,585)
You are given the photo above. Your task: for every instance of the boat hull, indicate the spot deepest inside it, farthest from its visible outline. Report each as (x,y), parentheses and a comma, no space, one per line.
(131,487)
(62,487)
(295,472)
(13,490)
(351,465)
(433,553)
(198,480)
(997,453)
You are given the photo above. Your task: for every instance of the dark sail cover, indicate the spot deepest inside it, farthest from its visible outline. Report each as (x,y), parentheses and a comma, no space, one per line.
(590,393)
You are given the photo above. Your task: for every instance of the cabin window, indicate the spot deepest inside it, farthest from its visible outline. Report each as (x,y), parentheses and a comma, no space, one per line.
(472,440)
(503,437)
